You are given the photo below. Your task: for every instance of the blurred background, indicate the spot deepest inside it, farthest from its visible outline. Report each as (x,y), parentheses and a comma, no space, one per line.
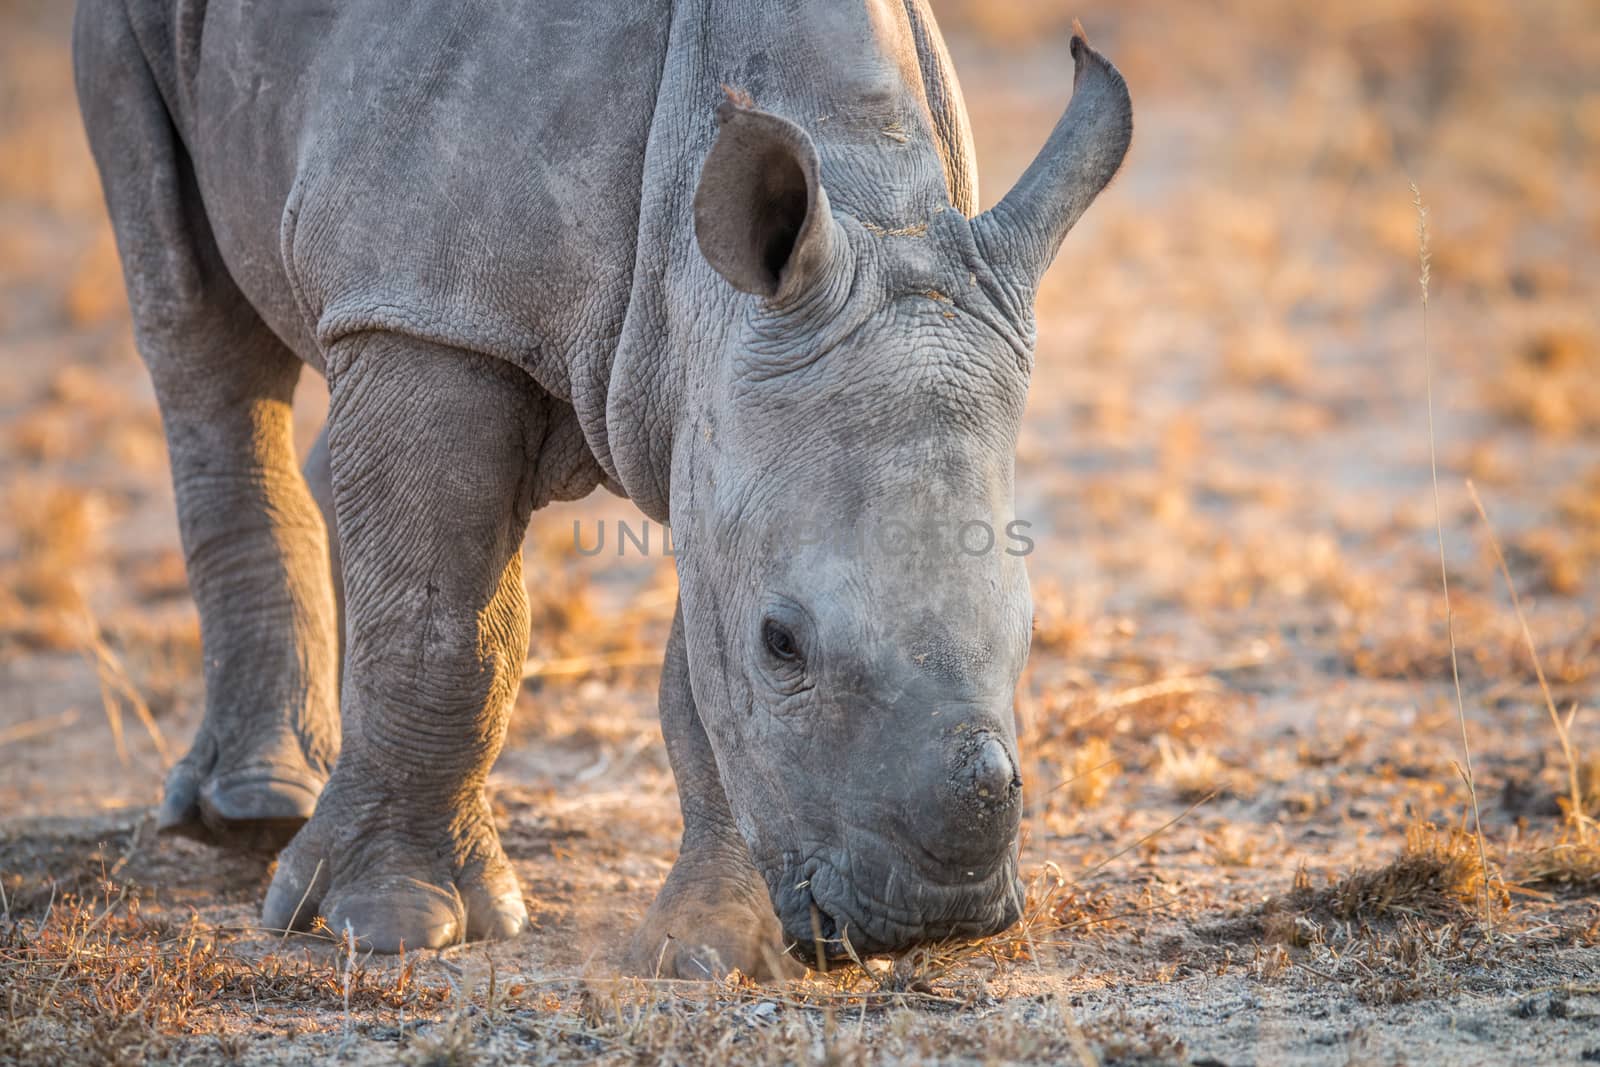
(1225,457)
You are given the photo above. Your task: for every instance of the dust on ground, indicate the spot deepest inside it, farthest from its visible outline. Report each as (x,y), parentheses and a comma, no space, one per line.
(1248,825)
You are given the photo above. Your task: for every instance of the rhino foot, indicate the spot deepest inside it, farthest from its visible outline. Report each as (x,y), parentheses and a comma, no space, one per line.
(711,917)
(246,800)
(397,877)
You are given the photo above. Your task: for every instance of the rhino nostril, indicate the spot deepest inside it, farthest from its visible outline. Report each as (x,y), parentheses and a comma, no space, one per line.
(993,775)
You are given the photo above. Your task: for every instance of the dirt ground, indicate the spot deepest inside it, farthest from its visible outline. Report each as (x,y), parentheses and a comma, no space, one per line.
(1248,825)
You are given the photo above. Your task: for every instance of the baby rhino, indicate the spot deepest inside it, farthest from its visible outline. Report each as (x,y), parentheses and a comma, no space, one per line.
(721,257)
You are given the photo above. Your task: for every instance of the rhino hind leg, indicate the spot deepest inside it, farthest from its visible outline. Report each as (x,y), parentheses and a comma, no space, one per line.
(713,914)
(433,456)
(318,473)
(253,541)
(256,555)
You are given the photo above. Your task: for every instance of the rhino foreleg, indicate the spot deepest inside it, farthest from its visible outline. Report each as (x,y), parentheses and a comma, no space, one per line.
(432,454)
(713,913)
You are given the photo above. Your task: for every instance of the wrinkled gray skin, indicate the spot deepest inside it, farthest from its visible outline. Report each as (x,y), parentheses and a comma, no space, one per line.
(534,250)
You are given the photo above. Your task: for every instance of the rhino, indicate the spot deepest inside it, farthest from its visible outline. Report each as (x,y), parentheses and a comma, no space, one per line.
(723,258)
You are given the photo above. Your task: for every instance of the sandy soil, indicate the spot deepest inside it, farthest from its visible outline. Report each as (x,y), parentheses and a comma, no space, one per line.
(1240,690)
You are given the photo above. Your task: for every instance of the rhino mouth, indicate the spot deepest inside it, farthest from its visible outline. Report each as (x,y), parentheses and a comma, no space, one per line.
(827,916)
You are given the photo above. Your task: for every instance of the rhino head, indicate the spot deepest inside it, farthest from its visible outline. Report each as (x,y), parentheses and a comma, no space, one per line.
(853,590)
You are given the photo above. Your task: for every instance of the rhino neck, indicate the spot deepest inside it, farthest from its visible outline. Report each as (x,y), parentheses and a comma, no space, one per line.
(871,84)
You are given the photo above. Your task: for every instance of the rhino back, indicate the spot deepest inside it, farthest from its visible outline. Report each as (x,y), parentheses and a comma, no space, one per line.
(466,172)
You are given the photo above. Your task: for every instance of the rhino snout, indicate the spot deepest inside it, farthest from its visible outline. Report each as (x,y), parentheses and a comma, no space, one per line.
(875,901)
(979,803)
(989,777)
(942,866)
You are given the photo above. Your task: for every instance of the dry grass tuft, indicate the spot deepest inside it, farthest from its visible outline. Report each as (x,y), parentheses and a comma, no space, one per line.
(56,529)
(1094,769)
(1195,771)
(1265,355)
(1406,931)
(1438,876)
(1553,383)
(1569,866)
(1231,847)
(1190,708)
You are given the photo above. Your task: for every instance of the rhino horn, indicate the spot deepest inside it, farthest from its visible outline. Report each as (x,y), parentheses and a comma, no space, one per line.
(1020,235)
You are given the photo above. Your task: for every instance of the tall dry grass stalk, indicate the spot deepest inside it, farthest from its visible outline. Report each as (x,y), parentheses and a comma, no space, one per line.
(1578,816)
(1424,264)
(117,689)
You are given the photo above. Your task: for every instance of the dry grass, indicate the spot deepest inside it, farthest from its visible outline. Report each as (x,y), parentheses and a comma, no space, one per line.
(1552,382)
(57,531)
(1094,769)
(633,1023)
(1391,934)
(1424,266)
(1571,866)
(1412,928)
(1194,771)
(1440,874)
(1232,847)
(1577,808)
(93,980)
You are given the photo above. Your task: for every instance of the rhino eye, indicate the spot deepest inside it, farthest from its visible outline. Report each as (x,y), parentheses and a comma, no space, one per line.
(779,640)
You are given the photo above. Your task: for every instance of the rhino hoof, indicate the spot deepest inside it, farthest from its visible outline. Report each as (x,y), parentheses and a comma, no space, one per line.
(387,889)
(254,809)
(702,937)
(396,914)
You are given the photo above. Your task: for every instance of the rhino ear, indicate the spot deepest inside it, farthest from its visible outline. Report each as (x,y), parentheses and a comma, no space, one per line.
(760,214)
(1021,234)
